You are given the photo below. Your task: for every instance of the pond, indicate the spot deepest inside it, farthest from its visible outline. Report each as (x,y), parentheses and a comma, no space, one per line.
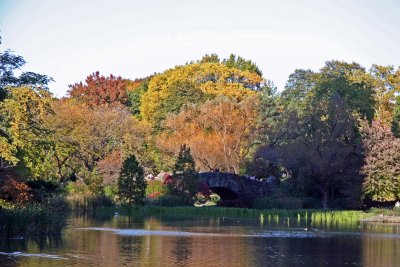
(116,240)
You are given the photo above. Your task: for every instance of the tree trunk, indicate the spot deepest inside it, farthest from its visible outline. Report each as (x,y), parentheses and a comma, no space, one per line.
(325,199)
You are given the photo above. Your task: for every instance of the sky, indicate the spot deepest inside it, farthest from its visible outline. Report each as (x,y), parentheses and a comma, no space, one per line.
(70,39)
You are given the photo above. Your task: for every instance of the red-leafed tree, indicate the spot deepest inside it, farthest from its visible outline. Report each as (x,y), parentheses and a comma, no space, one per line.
(100,90)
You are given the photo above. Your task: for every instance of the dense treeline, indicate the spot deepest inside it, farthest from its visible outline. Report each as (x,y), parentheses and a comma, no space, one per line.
(331,137)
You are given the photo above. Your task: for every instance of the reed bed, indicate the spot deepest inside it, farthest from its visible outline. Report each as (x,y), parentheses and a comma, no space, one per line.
(320,218)
(32,220)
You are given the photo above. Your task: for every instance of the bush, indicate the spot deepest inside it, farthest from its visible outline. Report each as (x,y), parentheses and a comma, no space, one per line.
(42,190)
(111,191)
(156,188)
(15,192)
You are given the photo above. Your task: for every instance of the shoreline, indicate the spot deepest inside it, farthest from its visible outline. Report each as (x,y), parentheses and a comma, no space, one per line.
(383,219)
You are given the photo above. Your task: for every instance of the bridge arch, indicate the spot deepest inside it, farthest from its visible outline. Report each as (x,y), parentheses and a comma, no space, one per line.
(234,188)
(225,193)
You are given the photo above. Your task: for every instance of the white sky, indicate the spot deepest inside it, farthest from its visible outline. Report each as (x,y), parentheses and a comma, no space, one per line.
(69,39)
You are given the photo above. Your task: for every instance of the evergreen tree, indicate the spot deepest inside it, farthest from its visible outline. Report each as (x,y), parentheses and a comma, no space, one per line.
(131,183)
(185,175)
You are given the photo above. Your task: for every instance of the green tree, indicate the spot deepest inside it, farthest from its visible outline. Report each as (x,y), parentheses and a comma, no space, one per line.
(396,118)
(240,63)
(213,58)
(306,89)
(9,63)
(135,97)
(298,90)
(131,183)
(184,175)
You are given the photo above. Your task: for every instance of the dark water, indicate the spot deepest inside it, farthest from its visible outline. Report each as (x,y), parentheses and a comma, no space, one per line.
(156,241)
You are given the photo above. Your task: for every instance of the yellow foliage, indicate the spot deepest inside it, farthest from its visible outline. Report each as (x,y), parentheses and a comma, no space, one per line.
(210,79)
(22,115)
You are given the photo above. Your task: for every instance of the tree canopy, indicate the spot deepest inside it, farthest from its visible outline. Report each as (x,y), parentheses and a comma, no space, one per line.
(9,63)
(100,90)
(194,83)
(382,162)
(330,138)
(220,132)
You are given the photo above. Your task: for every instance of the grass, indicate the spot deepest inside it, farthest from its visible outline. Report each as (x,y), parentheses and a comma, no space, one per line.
(387,212)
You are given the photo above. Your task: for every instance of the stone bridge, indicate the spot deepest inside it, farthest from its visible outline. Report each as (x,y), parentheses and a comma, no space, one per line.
(233,189)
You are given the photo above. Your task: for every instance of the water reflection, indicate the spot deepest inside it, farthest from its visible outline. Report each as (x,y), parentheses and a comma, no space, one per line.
(377,251)
(157,241)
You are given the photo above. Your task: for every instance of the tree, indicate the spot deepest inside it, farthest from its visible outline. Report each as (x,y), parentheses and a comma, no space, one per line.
(242,64)
(23,136)
(131,183)
(220,132)
(320,151)
(9,63)
(382,162)
(89,140)
(184,175)
(386,84)
(100,90)
(135,93)
(212,58)
(396,118)
(298,90)
(306,89)
(194,83)
(233,61)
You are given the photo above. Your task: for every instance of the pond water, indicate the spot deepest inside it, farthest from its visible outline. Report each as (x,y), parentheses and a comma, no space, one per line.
(110,240)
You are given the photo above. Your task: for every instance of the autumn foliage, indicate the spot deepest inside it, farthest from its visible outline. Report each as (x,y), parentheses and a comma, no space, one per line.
(100,90)
(16,192)
(382,162)
(195,83)
(208,115)
(220,132)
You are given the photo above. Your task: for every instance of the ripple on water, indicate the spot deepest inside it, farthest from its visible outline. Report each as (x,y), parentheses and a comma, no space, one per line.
(266,234)
(38,255)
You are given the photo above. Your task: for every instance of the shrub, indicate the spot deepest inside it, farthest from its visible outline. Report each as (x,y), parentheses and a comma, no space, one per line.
(156,188)
(14,191)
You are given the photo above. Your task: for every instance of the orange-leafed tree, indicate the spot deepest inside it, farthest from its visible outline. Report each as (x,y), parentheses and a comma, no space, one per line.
(220,132)
(100,90)
(88,138)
